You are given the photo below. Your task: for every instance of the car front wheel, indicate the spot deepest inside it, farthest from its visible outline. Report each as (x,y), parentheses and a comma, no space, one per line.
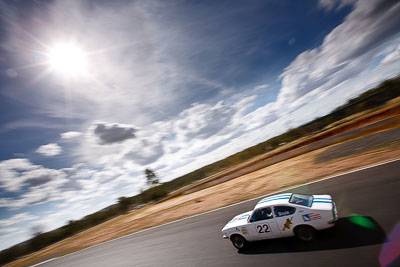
(239,241)
(305,233)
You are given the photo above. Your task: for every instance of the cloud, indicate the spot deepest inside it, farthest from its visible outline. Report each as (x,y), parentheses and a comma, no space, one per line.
(145,151)
(32,184)
(110,133)
(189,131)
(261,86)
(17,219)
(392,57)
(332,4)
(19,173)
(49,150)
(7,231)
(14,125)
(70,135)
(344,53)
(183,136)
(118,144)
(203,120)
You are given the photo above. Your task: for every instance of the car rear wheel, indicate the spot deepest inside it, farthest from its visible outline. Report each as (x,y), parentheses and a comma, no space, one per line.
(239,241)
(305,233)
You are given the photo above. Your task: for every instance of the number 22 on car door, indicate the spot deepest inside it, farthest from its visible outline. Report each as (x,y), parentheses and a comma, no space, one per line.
(264,224)
(263,228)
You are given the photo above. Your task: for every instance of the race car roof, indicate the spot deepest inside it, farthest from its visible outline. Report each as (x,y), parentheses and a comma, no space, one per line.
(274,200)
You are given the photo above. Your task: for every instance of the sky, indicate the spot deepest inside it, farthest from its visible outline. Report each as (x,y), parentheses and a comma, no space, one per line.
(94,92)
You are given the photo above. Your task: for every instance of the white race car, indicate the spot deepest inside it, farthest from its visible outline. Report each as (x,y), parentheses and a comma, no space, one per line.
(282,215)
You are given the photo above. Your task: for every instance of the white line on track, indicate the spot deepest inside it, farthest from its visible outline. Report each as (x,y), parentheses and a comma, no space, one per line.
(273,193)
(43,262)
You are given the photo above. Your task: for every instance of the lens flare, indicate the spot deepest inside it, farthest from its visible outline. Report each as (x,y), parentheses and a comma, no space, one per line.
(362,221)
(390,253)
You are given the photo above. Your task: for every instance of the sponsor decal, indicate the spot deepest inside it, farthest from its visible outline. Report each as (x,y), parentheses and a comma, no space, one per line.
(283,213)
(287,224)
(311,217)
(244,231)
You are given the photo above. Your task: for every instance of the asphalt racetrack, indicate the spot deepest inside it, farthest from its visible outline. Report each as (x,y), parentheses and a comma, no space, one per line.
(373,193)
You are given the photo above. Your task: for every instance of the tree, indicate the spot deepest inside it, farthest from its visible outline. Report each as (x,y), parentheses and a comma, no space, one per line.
(39,239)
(151,177)
(123,203)
(37,229)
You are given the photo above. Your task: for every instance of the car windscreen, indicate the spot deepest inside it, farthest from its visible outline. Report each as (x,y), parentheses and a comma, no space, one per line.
(300,199)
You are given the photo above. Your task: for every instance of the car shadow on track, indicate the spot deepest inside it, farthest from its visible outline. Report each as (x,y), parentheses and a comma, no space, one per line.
(349,232)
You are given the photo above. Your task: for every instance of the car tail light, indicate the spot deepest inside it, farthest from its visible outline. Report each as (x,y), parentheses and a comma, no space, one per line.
(334,213)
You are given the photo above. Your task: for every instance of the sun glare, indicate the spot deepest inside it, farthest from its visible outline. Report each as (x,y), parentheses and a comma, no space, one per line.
(67,59)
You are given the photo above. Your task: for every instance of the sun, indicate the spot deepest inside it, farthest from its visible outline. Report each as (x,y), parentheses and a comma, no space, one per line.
(67,59)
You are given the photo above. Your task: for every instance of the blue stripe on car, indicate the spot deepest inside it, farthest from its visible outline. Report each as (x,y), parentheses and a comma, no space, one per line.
(267,200)
(278,196)
(282,195)
(275,198)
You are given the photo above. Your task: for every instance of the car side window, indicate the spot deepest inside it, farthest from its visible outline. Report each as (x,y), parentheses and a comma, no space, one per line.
(281,211)
(262,214)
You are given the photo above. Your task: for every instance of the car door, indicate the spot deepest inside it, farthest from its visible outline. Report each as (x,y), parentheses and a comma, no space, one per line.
(263,225)
(285,219)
